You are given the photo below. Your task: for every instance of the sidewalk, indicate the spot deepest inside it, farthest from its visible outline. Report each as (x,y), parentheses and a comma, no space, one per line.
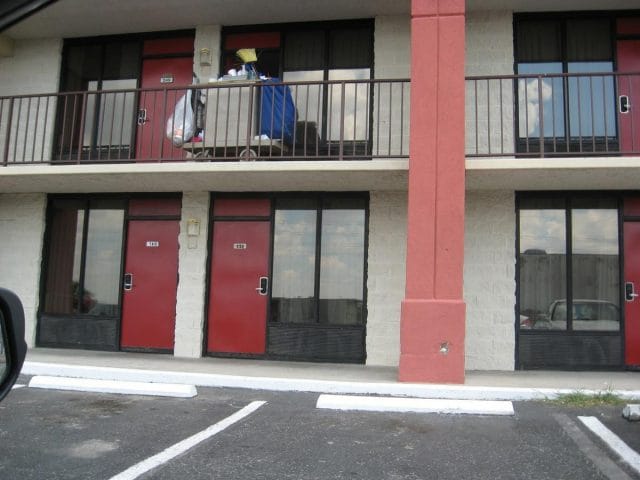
(318,377)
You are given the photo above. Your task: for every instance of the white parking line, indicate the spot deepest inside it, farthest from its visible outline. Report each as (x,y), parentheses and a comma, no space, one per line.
(17,385)
(615,443)
(186,444)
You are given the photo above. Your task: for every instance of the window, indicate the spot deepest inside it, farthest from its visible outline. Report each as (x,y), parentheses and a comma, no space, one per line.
(568,261)
(331,53)
(317,52)
(84,258)
(557,102)
(104,66)
(318,261)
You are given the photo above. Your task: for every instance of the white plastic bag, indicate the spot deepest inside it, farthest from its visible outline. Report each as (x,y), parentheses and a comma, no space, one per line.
(181,125)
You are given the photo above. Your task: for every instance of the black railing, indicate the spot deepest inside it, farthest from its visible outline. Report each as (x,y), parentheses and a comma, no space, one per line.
(223,121)
(506,116)
(552,115)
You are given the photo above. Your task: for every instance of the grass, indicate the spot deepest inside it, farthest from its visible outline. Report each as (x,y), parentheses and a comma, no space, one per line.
(580,399)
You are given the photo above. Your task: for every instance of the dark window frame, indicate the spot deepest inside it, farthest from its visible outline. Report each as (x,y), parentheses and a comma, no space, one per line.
(567,199)
(69,152)
(566,143)
(351,146)
(320,200)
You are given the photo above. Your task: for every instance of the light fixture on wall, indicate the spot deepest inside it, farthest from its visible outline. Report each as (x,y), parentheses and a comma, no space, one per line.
(193,227)
(205,57)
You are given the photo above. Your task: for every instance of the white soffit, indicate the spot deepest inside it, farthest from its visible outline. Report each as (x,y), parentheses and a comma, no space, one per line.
(599,173)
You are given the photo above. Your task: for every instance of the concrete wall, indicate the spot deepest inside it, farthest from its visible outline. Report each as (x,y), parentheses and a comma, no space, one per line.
(386,275)
(33,68)
(489,51)
(489,280)
(207,37)
(392,60)
(192,270)
(22,221)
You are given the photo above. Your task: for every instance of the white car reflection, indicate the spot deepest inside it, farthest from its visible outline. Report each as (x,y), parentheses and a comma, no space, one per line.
(597,315)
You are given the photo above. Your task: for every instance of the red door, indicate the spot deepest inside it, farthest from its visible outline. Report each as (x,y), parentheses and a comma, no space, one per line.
(629,95)
(157,105)
(239,289)
(632,288)
(150,284)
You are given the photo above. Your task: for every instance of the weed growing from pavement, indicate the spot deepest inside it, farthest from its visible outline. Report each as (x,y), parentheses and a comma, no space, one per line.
(582,400)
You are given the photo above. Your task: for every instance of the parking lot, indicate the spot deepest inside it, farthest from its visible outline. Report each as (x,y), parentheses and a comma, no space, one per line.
(75,435)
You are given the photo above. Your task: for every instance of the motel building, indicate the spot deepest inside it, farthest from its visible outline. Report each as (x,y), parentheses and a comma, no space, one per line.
(431,185)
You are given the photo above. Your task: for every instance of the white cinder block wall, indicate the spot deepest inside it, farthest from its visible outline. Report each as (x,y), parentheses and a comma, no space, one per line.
(385,275)
(489,51)
(489,280)
(207,37)
(489,267)
(392,50)
(387,214)
(34,67)
(192,270)
(22,220)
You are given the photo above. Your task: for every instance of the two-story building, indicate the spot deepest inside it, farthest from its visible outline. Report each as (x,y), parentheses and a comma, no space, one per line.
(436,185)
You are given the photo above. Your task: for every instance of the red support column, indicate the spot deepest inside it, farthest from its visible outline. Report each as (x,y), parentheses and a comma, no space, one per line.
(433,311)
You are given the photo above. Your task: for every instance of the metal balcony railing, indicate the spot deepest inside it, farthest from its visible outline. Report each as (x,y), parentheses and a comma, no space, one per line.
(236,120)
(582,114)
(506,116)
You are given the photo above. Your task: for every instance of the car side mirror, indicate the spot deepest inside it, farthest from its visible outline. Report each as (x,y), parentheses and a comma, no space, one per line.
(13,347)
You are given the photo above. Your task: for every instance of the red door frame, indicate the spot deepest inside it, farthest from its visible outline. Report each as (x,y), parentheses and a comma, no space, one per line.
(241,236)
(159,56)
(150,285)
(631,282)
(154,220)
(628,53)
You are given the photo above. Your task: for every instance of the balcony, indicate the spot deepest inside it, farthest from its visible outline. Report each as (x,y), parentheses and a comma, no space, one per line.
(522,132)
(232,121)
(564,115)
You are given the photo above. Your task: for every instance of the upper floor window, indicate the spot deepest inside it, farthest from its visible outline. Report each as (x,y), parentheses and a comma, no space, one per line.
(318,53)
(562,104)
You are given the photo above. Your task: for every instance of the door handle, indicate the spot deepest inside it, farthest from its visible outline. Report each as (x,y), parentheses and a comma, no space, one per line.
(623,104)
(263,286)
(142,116)
(630,292)
(128,282)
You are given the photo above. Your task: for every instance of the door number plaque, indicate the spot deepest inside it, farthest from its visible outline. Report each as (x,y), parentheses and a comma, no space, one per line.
(239,246)
(152,244)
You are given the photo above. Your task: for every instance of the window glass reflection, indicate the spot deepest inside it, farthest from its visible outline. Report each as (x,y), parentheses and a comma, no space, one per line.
(592,102)
(354,98)
(542,262)
(595,269)
(294,253)
(342,267)
(65,254)
(307,98)
(540,101)
(104,255)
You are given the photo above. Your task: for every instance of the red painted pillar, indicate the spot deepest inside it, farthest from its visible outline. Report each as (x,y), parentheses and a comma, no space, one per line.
(433,311)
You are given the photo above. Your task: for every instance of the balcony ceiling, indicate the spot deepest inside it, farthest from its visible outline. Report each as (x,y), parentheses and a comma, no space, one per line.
(552,5)
(79,18)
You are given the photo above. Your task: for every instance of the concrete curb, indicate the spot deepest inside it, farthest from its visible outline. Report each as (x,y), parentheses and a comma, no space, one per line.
(113,386)
(461,392)
(415,405)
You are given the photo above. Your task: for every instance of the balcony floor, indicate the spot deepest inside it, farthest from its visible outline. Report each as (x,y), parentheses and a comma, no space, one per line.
(263,176)
(575,173)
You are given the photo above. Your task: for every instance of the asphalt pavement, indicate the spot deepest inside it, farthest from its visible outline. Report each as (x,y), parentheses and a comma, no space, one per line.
(79,435)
